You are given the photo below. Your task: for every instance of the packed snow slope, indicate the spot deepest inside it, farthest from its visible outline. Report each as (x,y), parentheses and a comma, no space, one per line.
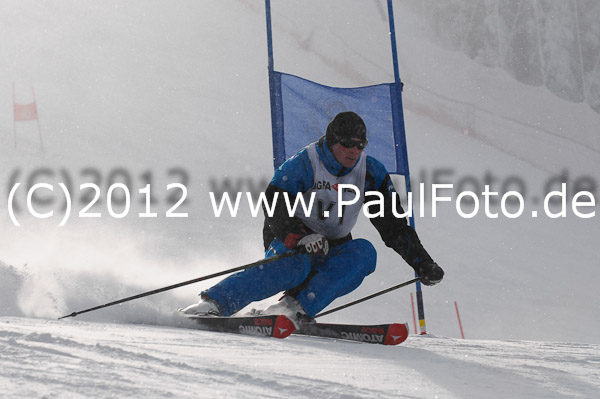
(157,92)
(160,92)
(52,359)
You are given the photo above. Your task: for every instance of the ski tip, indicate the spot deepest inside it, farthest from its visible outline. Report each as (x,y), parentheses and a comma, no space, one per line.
(283,327)
(396,334)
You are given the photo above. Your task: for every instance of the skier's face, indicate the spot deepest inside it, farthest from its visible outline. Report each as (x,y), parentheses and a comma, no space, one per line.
(346,156)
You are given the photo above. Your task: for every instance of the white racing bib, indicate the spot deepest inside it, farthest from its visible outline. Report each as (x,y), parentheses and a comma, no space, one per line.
(324,217)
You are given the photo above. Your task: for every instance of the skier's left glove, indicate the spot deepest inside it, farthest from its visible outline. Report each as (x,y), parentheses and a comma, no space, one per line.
(314,244)
(429,272)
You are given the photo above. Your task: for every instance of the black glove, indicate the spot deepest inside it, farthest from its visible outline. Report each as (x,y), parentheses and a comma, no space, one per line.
(314,244)
(429,272)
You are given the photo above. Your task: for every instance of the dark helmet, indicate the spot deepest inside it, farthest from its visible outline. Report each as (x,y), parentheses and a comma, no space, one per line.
(345,126)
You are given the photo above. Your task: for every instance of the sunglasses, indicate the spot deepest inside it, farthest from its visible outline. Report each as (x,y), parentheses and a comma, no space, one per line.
(349,143)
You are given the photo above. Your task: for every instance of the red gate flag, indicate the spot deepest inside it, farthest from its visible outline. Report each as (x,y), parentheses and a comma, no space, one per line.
(25,112)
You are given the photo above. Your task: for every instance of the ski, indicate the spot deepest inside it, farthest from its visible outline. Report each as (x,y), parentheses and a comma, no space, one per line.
(276,326)
(384,334)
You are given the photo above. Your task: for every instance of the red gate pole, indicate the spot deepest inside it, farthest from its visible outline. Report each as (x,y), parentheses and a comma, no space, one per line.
(412,302)
(462,334)
(14,119)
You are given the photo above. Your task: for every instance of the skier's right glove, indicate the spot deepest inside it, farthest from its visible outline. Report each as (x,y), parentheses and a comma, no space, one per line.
(314,244)
(429,272)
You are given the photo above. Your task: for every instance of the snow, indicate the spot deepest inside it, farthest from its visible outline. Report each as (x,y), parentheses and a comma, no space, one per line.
(46,358)
(160,92)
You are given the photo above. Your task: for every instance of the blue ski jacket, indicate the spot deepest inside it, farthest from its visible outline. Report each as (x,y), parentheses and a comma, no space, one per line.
(296,176)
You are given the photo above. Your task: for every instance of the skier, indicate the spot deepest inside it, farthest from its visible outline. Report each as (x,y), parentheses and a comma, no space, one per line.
(330,262)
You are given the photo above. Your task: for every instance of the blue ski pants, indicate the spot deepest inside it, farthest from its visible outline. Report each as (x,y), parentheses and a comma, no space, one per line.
(334,275)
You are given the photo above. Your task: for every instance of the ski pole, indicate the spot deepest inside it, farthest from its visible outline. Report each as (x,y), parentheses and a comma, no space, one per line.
(170,287)
(368,297)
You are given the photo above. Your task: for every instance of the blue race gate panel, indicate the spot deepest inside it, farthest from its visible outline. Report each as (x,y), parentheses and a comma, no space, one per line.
(304,108)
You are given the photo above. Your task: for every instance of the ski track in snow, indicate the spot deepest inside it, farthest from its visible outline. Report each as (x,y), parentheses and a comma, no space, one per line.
(56,359)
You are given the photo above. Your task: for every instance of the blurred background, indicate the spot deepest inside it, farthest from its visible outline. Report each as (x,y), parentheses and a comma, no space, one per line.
(498,93)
